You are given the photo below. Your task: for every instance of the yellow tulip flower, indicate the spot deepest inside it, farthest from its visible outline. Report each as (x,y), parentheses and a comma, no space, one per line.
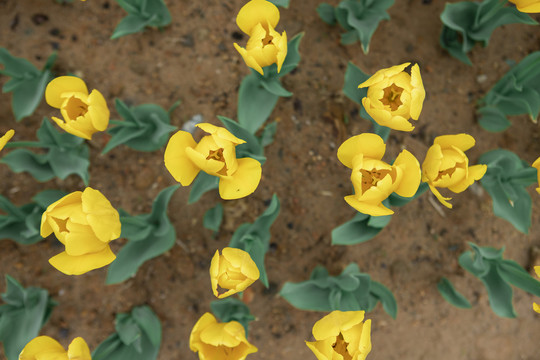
(215,154)
(4,139)
(536,165)
(219,341)
(394,96)
(447,166)
(83,114)
(232,271)
(44,347)
(85,222)
(266,46)
(373,179)
(536,307)
(341,335)
(527,6)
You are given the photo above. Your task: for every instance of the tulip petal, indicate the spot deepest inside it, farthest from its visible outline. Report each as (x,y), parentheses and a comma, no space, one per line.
(332,324)
(322,349)
(461,141)
(366,208)
(176,159)
(214,272)
(527,6)
(101,216)
(536,165)
(219,133)
(46,219)
(4,139)
(242,260)
(243,182)
(443,200)
(381,74)
(475,173)
(60,85)
(257,12)
(281,51)
(78,350)
(98,110)
(365,341)
(81,240)
(410,182)
(77,265)
(226,334)
(249,59)
(418,93)
(432,163)
(209,166)
(371,146)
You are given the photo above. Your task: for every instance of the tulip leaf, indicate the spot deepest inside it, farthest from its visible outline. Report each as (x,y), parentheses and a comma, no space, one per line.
(137,337)
(213,217)
(293,56)
(255,238)
(159,237)
(450,294)
(359,229)
(466,23)
(506,179)
(281,3)
(514,274)
(273,86)
(22,316)
(351,290)
(27,83)
(396,200)
(231,309)
(255,103)
(326,13)
(201,185)
(145,127)
(268,133)
(141,13)
(22,224)
(516,93)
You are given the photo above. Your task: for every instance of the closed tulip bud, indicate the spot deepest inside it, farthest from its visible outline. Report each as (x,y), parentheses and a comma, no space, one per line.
(46,348)
(232,271)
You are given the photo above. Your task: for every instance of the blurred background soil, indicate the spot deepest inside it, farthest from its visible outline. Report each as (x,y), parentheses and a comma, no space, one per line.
(194,60)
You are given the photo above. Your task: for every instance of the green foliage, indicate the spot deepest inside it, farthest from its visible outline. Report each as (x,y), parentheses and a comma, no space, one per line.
(27,83)
(359,229)
(359,18)
(148,235)
(506,179)
(450,294)
(22,224)
(397,201)
(354,77)
(145,127)
(351,290)
(258,95)
(255,238)
(465,23)
(201,185)
(66,154)
(231,309)
(516,93)
(497,274)
(213,217)
(281,3)
(137,337)
(141,13)
(22,316)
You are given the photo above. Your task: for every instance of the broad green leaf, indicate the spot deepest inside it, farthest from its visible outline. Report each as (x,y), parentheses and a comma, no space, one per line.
(514,274)
(450,294)
(141,14)
(268,133)
(273,86)
(493,119)
(23,160)
(385,296)
(358,230)
(326,13)
(354,77)
(231,309)
(281,3)
(202,184)
(500,294)
(213,217)
(293,55)
(255,103)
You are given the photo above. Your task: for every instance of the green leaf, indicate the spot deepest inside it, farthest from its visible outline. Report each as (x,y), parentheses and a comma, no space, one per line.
(255,103)
(141,14)
(231,309)
(281,3)
(354,77)
(23,160)
(396,200)
(500,294)
(450,294)
(267,136)
(202,184)
(385,296)
(213,217)
(47,197)
(160,238)
(22,316)
(326,13)
(358,230)
(512,273)
(493,119)
(273,86)
(293,55)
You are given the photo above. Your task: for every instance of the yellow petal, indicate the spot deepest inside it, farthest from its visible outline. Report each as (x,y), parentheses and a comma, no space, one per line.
(332,324)
(527,6)
(42,346)
(365,341)
(536,307)
(77,265)
(536,164)
(226,334)
(78,350)
(75,130)
(209,166)
(101,216)
(249,59)
(432,163)
(60,85)
(98,110)
(461,141)
(81,240)
(46,218)
(371,146)
(219,133)
(204,322)
(282,50)
(368,208)
(4,139)
(399,123)
(176,159)
(381,74)
(410,182)
(322,349)
(214,272)
(443,200)
(418,93)
(243,182)
(255,12)
(475,173)
(242,260)
(537,270)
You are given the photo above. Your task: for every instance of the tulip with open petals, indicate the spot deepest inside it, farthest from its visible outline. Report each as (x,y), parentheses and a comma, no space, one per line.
(46,348)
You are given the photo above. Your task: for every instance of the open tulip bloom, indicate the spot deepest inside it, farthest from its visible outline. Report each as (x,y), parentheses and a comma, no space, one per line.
(233,271)
(527,6)
(341,335)
(46,348)
(373,179)
(85,222)
(215,154)
(393,96)
(447,166)
(265,46)
(84,114)
(5,138)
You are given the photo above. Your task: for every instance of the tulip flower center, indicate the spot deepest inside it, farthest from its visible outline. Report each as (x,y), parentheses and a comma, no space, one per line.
(448,172)
(218,155)
(371,178)
(75,108)
(392,97)
(62,224)
(267,39)
(340,347)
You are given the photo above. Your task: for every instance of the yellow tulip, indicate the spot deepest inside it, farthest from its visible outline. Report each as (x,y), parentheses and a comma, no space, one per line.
(536,307)
(266,46)
(536,165)
(85,222)
(232,271)
(373,179)
(4,139)
(447,166)
(527,6)
(46,348)
(215,154)
(83,114)
(341,335)
(394,96)
(219,341)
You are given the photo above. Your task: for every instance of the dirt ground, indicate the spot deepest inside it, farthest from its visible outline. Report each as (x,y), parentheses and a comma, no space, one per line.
(194,60)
